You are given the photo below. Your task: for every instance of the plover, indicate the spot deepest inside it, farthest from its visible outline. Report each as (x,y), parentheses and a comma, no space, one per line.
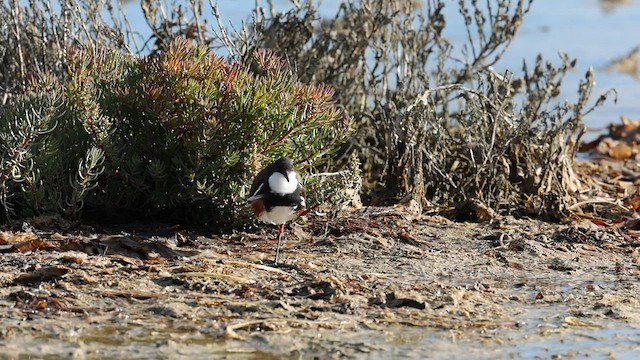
(276,196)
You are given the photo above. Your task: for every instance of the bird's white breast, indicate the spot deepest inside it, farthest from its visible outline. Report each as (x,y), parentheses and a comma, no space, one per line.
(278,215)
(279,184)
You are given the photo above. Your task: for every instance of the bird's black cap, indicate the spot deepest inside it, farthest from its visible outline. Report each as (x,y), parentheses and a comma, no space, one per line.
(283,165)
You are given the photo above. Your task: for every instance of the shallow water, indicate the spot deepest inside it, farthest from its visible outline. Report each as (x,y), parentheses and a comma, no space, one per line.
(620,342)
(542,334)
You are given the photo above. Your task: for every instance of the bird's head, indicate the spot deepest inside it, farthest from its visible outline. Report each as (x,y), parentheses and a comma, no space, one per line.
(283,166)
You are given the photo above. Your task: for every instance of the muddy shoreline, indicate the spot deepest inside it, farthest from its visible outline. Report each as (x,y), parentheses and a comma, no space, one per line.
(365,284)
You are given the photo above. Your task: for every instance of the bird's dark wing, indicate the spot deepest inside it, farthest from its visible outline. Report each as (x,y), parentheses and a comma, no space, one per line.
(260,185)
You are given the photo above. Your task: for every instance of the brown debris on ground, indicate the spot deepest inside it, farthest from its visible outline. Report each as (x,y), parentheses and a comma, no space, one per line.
(621,143)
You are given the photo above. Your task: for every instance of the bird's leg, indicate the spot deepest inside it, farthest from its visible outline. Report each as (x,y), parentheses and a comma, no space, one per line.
(280,234)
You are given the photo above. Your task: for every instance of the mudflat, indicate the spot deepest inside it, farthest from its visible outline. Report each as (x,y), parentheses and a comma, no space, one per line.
(368,283)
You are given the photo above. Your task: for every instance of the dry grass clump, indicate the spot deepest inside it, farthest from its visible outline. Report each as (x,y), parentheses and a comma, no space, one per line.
(497,149)
(434,123)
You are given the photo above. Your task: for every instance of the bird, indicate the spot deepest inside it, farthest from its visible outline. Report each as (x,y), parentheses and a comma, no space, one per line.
(277,196)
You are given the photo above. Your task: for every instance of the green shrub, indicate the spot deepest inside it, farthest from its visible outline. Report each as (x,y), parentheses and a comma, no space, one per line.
(175,134)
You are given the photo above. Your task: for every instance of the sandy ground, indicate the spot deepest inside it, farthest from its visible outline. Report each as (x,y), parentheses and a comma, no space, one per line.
(370,283)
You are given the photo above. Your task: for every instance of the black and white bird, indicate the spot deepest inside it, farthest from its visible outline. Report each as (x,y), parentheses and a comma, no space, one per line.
(277,196)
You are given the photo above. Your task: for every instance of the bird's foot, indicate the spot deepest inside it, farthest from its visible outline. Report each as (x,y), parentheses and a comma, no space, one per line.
(280,265)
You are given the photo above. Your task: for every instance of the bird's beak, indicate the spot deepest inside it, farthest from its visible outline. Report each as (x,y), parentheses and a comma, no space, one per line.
(284,172)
